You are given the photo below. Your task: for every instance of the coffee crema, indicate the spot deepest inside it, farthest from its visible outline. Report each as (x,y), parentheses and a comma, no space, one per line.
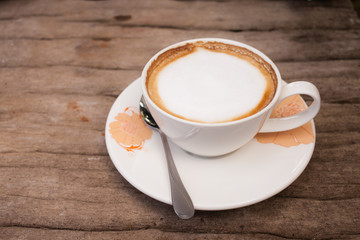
(210,82)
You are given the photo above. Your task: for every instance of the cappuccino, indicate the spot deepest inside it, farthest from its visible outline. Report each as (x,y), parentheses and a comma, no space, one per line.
(210,82)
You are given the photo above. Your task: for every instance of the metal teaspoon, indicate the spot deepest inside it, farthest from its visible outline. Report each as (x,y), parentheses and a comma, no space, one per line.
(181,200)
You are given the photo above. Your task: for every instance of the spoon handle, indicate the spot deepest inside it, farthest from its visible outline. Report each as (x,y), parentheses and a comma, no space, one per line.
(181,200)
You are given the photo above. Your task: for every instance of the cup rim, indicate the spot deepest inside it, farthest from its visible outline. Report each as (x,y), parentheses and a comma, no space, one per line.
(217,124)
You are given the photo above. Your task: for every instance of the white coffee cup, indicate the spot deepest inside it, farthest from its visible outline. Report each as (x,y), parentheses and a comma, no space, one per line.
(214,139)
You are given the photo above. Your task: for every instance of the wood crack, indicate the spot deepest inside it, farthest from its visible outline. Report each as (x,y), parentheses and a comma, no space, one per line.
(323,199)
(139,68)
(59,153)
(74,153)
(351,101)
(148,228)
(57,199)
(113,22)
(57,168)
(29,16)
(342,131)
(134,229)
(74,65)
(338,199)
(350,58)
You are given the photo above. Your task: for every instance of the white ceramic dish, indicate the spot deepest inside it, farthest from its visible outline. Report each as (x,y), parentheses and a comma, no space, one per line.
(249,175)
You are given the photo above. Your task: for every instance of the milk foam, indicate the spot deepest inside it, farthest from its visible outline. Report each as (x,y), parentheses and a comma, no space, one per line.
(209,86)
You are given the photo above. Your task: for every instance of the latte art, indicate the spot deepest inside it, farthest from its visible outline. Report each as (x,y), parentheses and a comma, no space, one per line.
(210,82)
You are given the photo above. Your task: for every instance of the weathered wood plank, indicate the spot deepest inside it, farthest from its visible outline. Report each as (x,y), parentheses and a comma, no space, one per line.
(59,116)
(30,111)
(69,174)
(342,69)
(328,120)
(58,161)
(15,233)
(227,15)
(65,80)
(60,140)
(328,139)
(42,118)
(332,168)
(74,137)
(287,217)
(133,53)
(337,80)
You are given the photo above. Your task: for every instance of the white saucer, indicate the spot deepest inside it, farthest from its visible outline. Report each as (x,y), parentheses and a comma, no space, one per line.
(249,175)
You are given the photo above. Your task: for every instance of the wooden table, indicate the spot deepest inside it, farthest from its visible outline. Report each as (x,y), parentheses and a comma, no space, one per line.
(62,65)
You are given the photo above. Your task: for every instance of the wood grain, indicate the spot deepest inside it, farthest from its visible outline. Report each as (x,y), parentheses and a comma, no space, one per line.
(62,65)
(281,46)
(227,15)
(18,233)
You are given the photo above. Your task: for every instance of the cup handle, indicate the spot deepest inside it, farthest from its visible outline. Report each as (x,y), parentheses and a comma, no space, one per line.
(297,120)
